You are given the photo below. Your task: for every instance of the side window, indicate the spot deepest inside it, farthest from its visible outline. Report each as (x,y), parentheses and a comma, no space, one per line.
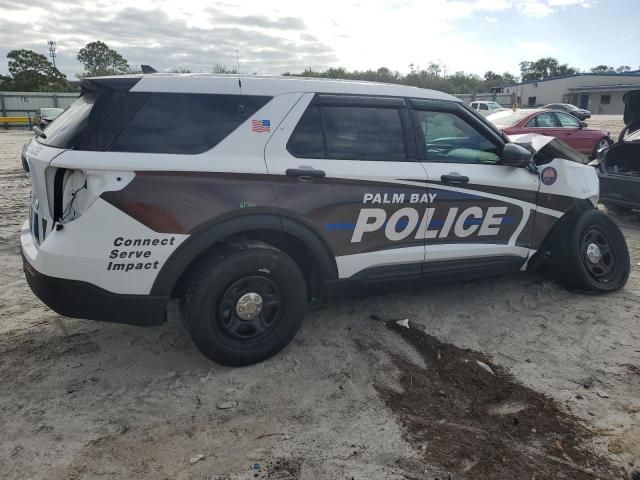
(349,133)
(568,121)
(449,138)
(307,139)
(544,120)
(364,133)
(474,105)
(483,106)
(185,123)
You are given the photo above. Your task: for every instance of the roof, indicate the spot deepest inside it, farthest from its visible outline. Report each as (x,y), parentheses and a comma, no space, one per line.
(633,73)
(603,88)
(270,85)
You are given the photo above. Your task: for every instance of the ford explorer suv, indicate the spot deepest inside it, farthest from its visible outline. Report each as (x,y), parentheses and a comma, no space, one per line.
(252,199)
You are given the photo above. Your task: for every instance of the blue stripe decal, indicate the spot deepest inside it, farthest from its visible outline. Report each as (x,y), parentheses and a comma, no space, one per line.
(403,223)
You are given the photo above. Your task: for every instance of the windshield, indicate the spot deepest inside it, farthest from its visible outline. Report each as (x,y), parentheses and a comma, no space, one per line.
(69,124)
(571,107)
(506,118)
(493,105)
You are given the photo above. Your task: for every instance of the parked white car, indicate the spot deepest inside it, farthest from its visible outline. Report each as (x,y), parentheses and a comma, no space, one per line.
(486,108)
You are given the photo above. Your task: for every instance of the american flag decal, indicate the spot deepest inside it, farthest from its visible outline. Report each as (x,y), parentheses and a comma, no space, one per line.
(260,125)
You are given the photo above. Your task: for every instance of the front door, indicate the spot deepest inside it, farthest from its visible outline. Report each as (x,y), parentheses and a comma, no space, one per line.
(482,213)
(584,102)
(576,136)
(346,167)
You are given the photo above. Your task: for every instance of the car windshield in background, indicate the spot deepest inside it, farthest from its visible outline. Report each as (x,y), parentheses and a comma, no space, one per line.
(571,107)
(494,105)
(506,118)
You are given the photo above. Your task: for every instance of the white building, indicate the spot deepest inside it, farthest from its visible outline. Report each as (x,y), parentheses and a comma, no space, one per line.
(601,93)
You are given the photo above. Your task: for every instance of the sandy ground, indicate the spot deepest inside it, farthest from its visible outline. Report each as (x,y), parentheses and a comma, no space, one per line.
(88,400)
(610,123)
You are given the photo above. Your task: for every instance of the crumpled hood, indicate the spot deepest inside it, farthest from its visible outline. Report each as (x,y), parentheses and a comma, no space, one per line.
(530,141)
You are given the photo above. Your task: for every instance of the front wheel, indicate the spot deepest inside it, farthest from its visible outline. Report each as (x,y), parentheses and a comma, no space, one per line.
(592,254)
(245,305)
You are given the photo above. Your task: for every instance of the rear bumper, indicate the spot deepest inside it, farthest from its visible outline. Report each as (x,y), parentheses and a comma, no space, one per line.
(619,190)
(73,298)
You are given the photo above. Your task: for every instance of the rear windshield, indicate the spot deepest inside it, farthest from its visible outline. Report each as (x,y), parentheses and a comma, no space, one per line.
(506,118)
(63,131)
(181,123)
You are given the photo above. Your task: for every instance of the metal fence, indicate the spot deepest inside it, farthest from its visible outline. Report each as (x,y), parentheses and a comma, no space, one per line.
(27,104)
(504,99)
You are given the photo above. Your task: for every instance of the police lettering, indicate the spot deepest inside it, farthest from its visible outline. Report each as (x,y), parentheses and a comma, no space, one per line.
(405,222)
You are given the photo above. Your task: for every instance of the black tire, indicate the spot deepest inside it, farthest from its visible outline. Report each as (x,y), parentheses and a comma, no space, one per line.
(601,143)
(212,309)
(571,261)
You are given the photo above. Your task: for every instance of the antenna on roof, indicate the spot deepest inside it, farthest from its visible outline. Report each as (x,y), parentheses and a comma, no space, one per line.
(148,69)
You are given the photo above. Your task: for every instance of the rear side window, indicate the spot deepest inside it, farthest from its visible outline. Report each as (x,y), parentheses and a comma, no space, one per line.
(544,120)
(349,133)
(179,123)
(307,139)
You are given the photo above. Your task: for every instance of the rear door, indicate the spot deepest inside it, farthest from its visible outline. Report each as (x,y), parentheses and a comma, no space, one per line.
(346,166)
(482,214)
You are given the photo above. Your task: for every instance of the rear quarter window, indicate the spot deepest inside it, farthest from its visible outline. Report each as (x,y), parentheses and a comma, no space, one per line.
(179,123)
(185,123)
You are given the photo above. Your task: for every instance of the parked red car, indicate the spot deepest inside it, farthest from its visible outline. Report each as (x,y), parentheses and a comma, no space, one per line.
(553,123)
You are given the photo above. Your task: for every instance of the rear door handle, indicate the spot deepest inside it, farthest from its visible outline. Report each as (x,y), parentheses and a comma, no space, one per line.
(454,179)
(305,173)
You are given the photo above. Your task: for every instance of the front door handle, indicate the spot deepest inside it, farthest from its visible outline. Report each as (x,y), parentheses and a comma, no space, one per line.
(454,179)
(305,174)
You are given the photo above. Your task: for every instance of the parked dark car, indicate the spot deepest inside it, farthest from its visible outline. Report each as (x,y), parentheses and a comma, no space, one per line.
(579,113)
(620,164)
(553,123)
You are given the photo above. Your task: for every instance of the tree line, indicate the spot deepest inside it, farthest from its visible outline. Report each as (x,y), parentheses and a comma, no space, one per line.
(31,71)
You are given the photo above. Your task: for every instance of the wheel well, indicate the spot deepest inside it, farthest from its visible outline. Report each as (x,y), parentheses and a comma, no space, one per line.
(301,254)
(542,258)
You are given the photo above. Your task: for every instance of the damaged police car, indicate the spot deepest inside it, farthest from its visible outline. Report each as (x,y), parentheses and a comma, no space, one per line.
(252,198)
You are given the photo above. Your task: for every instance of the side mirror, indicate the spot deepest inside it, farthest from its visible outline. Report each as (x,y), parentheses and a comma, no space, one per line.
(515,155)
(583,124)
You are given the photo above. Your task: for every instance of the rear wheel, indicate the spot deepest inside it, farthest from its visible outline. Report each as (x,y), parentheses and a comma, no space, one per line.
(592,254)
(245,306)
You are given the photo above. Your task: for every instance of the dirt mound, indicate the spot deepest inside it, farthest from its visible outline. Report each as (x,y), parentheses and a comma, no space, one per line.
(471,418)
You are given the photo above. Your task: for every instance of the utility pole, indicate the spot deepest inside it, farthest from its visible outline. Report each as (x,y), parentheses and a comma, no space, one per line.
(52,51)
(237,62)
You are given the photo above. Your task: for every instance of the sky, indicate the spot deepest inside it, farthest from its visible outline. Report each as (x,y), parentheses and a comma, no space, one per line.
(278,36)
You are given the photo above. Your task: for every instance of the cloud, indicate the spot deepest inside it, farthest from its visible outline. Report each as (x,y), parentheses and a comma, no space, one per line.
(267,44)
(534,8)
(273,37)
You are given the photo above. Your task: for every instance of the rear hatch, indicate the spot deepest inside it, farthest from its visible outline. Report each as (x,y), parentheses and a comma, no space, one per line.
(632,110)
(70,130)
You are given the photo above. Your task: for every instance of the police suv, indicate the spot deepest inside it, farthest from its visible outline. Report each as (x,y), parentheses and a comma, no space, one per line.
(252,198)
